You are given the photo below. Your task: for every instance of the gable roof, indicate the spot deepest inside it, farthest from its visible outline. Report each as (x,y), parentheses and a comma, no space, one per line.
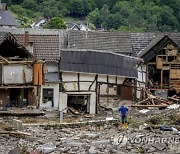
(140,40)
(119,42)
(95,40)
(47,43)
(91,61)
(150,45)
(72,26)
(155,46)
(20,51)
(6,19)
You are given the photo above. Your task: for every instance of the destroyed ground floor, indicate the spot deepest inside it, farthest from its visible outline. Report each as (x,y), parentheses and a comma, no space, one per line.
(17,97)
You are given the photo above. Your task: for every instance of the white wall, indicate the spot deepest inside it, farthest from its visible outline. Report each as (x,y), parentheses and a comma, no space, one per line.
(141,73)
(55,87)
(13,74)
(112,80)
(73,86)
(141,79)
(70,83)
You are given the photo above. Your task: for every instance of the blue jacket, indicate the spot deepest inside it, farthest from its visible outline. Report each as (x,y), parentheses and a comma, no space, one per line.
(123,110)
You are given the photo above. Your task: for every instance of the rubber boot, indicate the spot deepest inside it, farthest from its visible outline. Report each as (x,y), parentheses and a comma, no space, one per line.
(126,125)
(123,126)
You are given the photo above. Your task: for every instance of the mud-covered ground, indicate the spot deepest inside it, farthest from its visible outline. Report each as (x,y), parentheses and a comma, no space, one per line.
(142,136)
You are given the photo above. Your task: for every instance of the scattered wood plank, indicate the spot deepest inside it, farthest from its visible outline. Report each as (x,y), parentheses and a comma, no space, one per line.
(15,133)
(159,106)
(174,99)
(74,111)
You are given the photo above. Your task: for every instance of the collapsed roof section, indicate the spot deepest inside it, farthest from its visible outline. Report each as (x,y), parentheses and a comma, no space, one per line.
(10,48)
(91,61)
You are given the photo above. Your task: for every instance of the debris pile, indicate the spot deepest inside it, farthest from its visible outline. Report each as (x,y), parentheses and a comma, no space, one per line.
(157,132)
(153,100)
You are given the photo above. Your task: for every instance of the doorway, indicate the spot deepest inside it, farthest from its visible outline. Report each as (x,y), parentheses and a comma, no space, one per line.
(79,102)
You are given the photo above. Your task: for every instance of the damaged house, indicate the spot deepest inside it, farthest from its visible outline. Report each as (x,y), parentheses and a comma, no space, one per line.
(62,81)
(44,45)
(162,61)
(21,75)
(87,74)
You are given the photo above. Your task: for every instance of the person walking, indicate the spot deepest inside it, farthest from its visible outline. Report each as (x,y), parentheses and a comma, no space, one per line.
(123,111)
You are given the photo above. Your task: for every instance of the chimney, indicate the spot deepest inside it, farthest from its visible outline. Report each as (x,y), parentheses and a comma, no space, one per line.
(26,39)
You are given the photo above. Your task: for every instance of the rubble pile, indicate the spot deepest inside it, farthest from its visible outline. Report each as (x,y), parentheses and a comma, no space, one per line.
(147,133)
(156,100)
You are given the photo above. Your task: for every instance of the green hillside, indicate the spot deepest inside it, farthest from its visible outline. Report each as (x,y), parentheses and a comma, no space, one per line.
(113,15)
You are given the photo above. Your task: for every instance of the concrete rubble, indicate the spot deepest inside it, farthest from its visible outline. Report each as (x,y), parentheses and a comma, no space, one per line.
(142,136)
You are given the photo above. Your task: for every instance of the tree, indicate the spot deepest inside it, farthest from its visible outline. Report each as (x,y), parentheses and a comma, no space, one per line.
(94,18)
(76,8)
(30,4)
(56,23)
(114,21)
(18,9)
(104,13)
(166,21)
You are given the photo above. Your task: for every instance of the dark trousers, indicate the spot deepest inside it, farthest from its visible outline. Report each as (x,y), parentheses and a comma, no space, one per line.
(124,119)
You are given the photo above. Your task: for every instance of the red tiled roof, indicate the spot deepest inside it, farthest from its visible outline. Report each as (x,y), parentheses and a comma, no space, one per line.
(45,47)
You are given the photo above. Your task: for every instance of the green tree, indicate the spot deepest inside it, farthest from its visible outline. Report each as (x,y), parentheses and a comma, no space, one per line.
(30,4)
(76,8)
(166,21)
(104,13)
(114,21)
(94,18)
(56,23)
(18,9)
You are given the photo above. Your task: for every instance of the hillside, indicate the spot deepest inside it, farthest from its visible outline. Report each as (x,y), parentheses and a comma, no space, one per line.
(116,15)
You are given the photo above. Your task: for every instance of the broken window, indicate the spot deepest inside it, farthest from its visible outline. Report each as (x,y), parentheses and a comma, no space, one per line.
(48,96)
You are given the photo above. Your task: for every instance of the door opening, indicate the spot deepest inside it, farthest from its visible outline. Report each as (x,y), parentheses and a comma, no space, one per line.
(79,102)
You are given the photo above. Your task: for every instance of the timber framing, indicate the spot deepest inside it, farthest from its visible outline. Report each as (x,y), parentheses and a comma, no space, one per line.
(163,64)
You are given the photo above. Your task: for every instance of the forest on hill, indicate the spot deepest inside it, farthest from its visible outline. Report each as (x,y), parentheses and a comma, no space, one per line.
(112,15)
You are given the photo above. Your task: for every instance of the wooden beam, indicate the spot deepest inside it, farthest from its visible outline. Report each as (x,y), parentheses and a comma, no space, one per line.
(78,81)
(149,105)
(161,79)
(15,133)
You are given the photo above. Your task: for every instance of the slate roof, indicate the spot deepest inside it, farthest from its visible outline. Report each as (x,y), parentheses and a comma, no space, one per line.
(126,43)
(140,40)
(155,46)
(47,45)
(150,45)
(95,40)
(72,25)
(91,61)
(2,36)
(52,77)
(6,19)
(175,37)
